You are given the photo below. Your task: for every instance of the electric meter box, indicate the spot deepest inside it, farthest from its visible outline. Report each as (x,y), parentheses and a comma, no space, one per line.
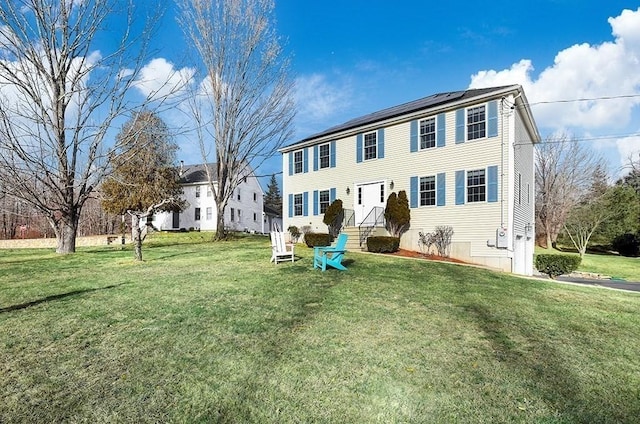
(501,238)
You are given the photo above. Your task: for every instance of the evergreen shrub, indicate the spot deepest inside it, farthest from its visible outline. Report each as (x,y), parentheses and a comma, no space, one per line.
(555,265)
(317,239)
(627,244)
(383,244)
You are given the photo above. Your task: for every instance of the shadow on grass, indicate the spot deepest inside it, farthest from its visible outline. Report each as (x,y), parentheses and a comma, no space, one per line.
(546,368)
(307,303)
(57,297)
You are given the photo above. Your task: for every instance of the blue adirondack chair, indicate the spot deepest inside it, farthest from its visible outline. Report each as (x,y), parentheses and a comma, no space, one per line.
(330,255)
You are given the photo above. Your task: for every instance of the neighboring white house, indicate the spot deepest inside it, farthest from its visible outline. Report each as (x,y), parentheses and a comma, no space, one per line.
(464,158)
(244,211)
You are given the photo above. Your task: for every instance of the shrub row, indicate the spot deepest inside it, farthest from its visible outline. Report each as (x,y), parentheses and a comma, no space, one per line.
(383,244)
(317,239)
(627,244)
(555,265)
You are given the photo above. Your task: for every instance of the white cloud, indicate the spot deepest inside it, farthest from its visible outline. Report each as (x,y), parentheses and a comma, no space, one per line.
(159,79)
(606,73)
(629,148)
(317,99)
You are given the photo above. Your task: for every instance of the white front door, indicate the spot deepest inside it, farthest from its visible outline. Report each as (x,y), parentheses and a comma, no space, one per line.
(367,197)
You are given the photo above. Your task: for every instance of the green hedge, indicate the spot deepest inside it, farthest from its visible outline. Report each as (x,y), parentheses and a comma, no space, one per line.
(317,239)
(627,244)
(383,244)
(555,265)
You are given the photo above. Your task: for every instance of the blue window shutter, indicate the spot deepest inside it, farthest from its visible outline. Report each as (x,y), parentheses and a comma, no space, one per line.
(316,159)
(413,136)
(460,125)
(332,154)
(440,135)
(359,148)
(290,163)
(492,186)
(315,202)
(290,205)
(459,187)
(440,189)
(332,195)
(381,143)
(305,160)
(492,130)
(413,192)
(305,203)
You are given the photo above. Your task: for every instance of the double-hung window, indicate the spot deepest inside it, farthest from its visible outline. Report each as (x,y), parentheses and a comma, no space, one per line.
(428,133)
(209,211)
(476,123)
(324,152)
(197,191)
(428,191)
(476,186)
(297,162)
(197,214)
(297,204)
(323,200)
(370,146)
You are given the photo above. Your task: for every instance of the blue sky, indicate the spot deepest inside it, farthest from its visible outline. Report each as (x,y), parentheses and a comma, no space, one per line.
(351,57)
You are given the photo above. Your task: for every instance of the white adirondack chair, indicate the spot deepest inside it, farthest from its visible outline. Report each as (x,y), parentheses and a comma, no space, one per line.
(280,250)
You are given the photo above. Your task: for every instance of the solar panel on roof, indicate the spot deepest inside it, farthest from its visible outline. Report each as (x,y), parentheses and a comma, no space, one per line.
(405,108)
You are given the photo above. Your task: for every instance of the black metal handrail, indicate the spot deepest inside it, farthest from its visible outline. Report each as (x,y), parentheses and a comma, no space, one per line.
(349,218)
(373,219)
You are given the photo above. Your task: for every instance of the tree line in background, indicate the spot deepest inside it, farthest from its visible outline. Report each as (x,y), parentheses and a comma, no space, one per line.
(578,205)
(61,94)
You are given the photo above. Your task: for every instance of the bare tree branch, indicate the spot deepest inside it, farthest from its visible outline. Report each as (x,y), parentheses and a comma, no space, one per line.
(59,96)
(244,108)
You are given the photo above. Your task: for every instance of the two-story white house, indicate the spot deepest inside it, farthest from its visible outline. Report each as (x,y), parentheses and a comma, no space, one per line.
(244,211)
(464,158)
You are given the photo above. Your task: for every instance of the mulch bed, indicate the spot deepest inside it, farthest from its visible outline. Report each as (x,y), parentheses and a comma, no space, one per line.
(419,255)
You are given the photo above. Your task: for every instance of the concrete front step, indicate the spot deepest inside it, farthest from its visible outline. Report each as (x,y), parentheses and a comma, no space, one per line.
(353,242)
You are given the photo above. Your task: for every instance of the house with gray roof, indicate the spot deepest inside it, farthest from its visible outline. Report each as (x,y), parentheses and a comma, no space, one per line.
(244,211)
(464,158)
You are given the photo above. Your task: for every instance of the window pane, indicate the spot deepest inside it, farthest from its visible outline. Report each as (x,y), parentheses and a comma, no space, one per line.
(428,191)
(370,145)
(297,162)
(476,186)
(428,133)
(297,204)
(324,200)
(476,123)
(324,155)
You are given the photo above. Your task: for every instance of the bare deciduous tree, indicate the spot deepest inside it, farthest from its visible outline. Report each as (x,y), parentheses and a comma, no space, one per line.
(563,174)
(244,108)
(59,95)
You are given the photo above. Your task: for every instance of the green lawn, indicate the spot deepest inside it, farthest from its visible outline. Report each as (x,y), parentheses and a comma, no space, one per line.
(204,332)
(611,265)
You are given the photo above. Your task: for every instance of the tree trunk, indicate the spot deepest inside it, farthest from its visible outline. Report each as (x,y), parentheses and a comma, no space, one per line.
(221,232)
(136,236)
(66,229)
(546,226)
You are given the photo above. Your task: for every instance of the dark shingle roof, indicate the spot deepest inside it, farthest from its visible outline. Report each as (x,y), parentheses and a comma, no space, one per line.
(192,174)
(403,109)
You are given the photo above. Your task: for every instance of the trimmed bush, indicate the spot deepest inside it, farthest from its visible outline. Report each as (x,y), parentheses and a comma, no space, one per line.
(317,239)
(383,244)
(627,244)
(333,217)
(555,265)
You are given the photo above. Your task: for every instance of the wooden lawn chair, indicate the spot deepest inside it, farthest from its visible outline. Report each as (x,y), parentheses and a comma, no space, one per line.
(280,250)
(331,255)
